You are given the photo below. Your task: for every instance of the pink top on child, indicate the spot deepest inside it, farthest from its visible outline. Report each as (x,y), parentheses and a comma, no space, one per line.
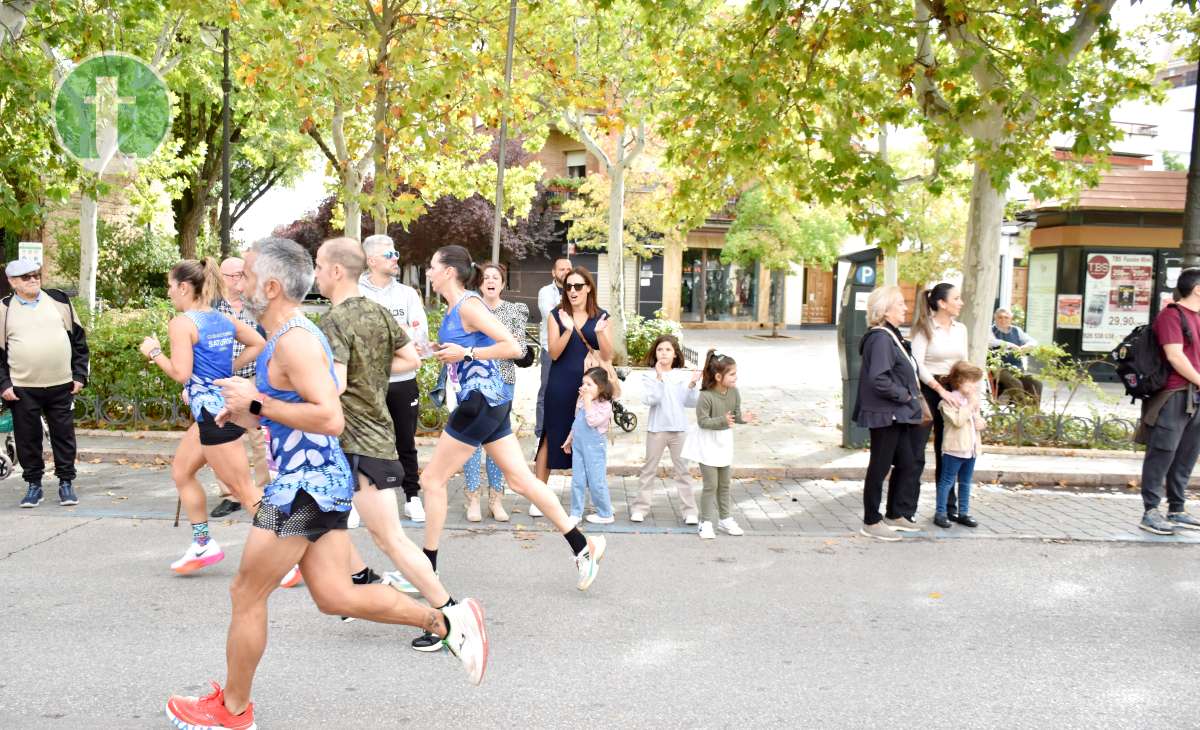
(598,415)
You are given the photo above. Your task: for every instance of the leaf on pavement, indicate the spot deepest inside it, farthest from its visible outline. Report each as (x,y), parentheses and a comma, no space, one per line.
(935,595)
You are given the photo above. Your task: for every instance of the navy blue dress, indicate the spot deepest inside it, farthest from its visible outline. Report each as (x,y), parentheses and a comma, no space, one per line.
(562,390)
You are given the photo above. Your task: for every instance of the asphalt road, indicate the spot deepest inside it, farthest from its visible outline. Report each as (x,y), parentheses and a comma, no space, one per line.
(95,631)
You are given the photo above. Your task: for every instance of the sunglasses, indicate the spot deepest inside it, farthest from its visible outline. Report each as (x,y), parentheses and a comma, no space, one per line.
(390,255)
(30,277)
(575,287)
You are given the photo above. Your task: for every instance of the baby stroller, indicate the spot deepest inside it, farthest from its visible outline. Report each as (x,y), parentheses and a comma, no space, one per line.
(624,417)
(8,455)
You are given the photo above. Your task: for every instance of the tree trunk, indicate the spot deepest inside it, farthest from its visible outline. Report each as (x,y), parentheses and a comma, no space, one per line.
(189,231)
(891,268)
(616,261)
(352,209)
(981,269)
(1191,208)
(12,19)
(89,250)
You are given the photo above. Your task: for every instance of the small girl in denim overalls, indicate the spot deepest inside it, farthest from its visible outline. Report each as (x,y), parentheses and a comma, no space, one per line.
(589,449)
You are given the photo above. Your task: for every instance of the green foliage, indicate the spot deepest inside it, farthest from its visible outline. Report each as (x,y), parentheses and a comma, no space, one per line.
(431,416)
(640,333)
(778,234)
(1173,163)
(118,369)
(133,262)
(645,222)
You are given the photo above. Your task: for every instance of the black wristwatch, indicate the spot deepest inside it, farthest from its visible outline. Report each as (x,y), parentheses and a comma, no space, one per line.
(256,407)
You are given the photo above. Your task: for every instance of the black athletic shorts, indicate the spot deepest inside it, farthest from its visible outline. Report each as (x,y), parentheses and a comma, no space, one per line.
(383,473)
(213,435)
(476,422)
(306,519)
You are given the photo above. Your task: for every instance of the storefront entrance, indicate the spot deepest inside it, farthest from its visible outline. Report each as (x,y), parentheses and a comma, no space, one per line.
(715,292)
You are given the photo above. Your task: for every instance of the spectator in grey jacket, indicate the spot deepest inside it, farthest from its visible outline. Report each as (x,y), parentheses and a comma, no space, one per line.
(889,404)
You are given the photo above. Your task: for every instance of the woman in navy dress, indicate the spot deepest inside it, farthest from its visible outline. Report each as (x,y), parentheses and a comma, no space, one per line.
(577,314)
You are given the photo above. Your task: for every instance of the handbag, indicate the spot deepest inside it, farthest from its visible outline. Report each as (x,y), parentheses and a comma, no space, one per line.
(926,413)
(594,360)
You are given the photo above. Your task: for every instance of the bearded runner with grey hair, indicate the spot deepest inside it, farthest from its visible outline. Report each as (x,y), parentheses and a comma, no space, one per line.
(302,518)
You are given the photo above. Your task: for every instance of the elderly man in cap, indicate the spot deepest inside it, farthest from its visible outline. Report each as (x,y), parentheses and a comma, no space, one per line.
(43,364)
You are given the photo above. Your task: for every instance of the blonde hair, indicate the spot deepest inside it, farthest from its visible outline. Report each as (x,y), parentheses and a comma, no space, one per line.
(880,301)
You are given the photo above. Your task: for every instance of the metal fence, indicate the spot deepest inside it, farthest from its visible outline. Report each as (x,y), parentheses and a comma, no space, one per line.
(1014,426)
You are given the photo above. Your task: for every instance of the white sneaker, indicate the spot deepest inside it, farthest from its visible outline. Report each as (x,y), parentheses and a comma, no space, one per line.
(706,531)
(691,520)
(467,638)
(534,511)
(588,561)
(198,557)
(637,517)
(731,526)
(353,521)
(596,519)
(396,579)
(414,510)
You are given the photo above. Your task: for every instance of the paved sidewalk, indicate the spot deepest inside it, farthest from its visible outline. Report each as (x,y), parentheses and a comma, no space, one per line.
(794,386)
(764,507)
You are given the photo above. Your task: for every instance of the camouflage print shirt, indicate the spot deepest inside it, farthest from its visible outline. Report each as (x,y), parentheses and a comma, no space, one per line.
(364,336)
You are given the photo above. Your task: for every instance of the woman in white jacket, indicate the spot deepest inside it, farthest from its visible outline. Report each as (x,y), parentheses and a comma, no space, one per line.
(670,391)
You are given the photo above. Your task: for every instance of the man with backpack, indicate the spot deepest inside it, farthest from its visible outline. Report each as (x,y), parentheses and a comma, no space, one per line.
(1170,426)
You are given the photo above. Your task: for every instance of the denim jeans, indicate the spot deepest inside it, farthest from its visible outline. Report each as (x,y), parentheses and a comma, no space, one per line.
(589,468)
(471,472)
(955,468)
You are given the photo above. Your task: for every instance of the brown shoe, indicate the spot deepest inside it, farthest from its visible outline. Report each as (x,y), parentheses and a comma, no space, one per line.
(473,514)
(496,505)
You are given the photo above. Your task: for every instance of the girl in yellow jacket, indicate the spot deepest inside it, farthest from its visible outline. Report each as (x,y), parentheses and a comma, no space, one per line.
(960,443)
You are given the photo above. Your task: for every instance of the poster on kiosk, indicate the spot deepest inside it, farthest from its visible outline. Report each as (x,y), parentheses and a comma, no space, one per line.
(1117,296)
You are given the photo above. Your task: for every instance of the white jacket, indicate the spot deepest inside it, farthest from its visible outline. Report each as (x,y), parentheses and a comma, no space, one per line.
(405,305)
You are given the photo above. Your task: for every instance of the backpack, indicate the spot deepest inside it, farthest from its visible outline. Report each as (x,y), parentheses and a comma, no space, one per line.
(1140,362)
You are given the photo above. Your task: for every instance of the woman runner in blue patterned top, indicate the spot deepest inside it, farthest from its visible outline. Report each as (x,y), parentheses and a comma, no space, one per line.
(201,352)
(471,340)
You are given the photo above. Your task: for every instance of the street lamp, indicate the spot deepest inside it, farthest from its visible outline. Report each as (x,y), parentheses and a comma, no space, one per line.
(508,56)
(208,34)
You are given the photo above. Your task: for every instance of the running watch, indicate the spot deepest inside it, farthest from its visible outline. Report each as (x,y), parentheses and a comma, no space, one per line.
(256,407)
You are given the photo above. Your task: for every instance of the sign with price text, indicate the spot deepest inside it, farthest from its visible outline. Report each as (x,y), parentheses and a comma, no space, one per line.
(1116,298)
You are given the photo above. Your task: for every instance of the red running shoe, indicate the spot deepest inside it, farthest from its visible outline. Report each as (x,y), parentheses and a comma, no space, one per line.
(208,713)
(293,578)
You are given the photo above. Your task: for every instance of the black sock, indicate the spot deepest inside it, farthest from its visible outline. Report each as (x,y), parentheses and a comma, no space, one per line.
(576,540)
(432,555)
(363,576)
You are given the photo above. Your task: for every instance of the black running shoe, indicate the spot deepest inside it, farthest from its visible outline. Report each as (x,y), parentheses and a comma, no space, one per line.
(226,507)
(66,494)
(427,642)
(372,577)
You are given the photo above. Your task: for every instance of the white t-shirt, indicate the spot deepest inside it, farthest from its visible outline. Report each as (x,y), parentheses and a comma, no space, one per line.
(936,355)
(405,305)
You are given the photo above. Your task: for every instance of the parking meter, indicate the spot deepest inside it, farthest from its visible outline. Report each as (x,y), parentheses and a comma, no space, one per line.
(852,325)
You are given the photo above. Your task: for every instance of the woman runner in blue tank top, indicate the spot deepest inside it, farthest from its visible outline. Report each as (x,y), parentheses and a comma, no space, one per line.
(469,339)
(201,352)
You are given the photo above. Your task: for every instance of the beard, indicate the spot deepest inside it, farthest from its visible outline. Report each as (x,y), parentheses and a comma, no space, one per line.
(256,304)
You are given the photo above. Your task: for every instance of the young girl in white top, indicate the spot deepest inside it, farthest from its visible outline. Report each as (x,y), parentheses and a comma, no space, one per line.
(961,444)
(669,390)
(938,341)
(711,443)
(588,447)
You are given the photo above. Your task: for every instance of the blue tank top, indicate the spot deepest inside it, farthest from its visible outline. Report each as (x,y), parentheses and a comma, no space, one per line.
(212,359)
(481,375)
(312,462)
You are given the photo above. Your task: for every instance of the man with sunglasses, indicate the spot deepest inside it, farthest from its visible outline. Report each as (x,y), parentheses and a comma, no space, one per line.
(43,364)
(378,283)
